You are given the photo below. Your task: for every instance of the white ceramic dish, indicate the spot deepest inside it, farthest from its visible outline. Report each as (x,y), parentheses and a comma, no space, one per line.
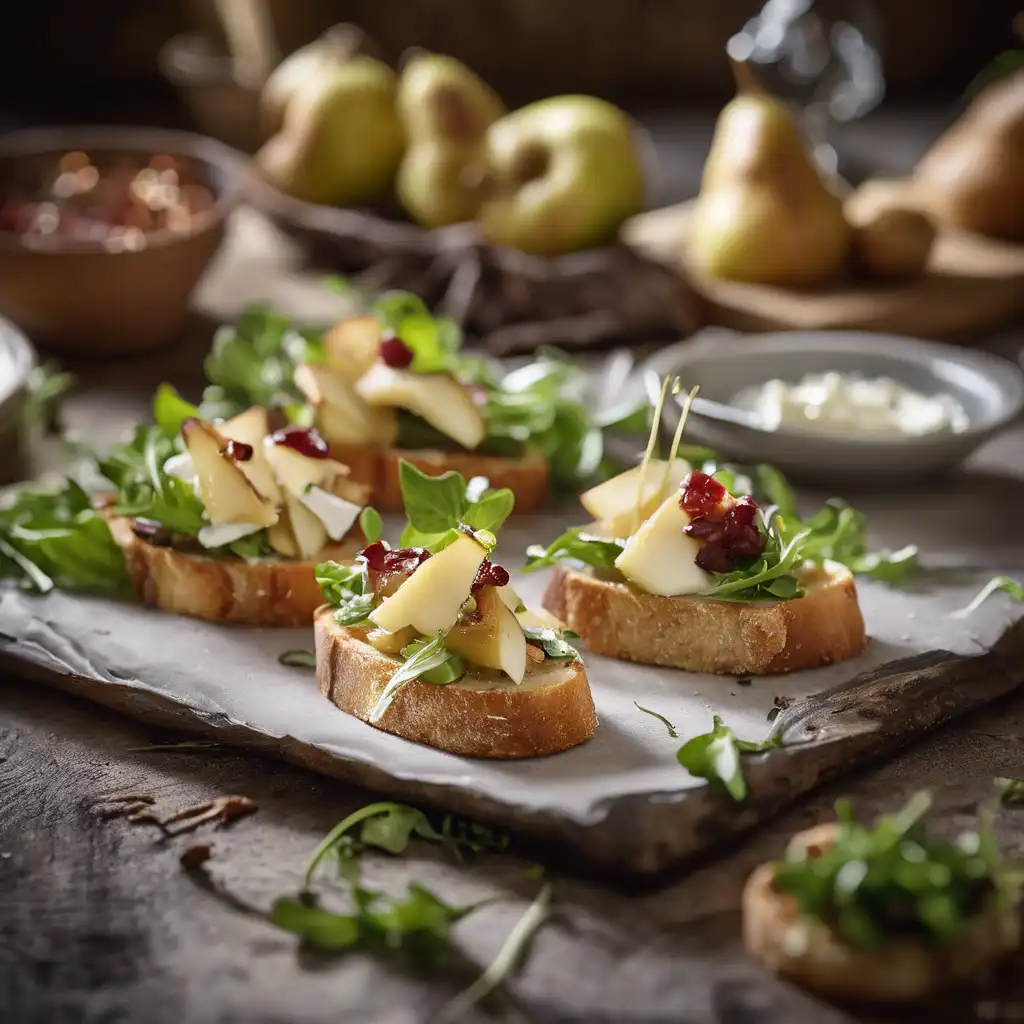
(990,390)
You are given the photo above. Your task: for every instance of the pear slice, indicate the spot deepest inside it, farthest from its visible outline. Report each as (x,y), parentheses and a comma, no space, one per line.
(432,597)
(353,346)
(225,490)
(527,616)
(342,416)
(492,637)
(281,537)
(617,497)
(250,427)
(660,559)
(297,472)
(309,533)
(436,397)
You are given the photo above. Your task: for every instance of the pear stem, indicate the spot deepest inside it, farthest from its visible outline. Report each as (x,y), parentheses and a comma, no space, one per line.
(746,80)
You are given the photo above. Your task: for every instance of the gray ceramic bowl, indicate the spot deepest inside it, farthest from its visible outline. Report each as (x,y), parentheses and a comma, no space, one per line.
(990,390)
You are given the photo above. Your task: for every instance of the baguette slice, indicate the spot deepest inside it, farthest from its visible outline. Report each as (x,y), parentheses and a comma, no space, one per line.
(703,635)
(482,715)
(814,956)
(527,475)
(271,592)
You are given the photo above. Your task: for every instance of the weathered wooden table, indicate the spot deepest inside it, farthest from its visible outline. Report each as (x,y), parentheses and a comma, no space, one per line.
(99,922)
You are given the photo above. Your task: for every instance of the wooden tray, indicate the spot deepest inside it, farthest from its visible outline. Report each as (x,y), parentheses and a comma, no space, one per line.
(973,285)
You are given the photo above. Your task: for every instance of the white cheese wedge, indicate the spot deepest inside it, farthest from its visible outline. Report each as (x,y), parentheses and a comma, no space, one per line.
(226,533)
(660,559)
(337,514)
(180,467)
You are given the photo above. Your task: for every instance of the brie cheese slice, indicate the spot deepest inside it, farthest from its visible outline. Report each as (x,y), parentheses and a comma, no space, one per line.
(226,533)
(337,514)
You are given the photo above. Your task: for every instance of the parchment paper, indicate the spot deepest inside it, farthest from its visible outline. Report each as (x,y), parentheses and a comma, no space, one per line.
(227,682)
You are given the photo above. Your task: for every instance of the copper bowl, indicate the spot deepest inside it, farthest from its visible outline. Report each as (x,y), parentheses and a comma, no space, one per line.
(79,296)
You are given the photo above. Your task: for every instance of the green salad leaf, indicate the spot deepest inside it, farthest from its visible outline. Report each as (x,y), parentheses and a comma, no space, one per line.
(55,539)
(673,733)
(715,756)
(371,524)
(344,587)
(437,505)
(427,662)
(555,644)
(297,659)
(573,546)
(253,362)
(170,410)
(1011,792)
(998,584)
(447,671)
(893,879)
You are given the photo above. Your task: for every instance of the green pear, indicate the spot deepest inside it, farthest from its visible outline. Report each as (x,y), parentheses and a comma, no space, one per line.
(341,141)
(765,214)
(316,60)
(446,110)
(562,174)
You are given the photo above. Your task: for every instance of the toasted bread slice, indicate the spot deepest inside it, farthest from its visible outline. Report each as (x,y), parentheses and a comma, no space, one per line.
(704,635)
(484,714)
(527,476)
(812,955)
(270,592)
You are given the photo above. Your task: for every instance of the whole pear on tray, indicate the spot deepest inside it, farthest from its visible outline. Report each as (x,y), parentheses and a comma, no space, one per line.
(446,110)
(341,141)
(561,174)
(973,177)
(765,214)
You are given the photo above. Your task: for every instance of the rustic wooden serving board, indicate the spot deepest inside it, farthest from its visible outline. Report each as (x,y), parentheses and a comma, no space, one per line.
(972,285)
(621,801)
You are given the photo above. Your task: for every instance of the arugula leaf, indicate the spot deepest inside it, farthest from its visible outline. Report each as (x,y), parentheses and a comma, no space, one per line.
(573,546)
(54,538)
(502,966)
(715,756)
(776,489)
(343,586)
(432,655)
(321,928)
(892,879)
(553,644)
(170,410)
(298,659)
(661,718)
(437,505)
(253,362)
(371,524)
(45,387)
(448,671)
(1006,584)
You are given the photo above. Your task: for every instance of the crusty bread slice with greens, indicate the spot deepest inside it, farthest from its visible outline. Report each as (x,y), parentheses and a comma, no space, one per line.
(429,641)
(267,592)
(618,620)
(881,944)
(682,567)
(483,714)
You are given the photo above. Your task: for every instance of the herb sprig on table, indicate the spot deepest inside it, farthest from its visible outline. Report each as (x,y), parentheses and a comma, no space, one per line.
(715,756)
(893,879)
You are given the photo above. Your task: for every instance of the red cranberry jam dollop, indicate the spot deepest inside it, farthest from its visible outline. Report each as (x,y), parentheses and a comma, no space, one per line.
(489,575)
(727,527)
(305,440)
(394,352)
(389,568)
(238,450)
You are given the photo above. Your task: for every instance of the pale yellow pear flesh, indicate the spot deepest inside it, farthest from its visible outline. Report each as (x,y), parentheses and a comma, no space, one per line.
(765,214)
(563,174)
(251,427)
(527,617)
(353,346)
(431,599)
(437,398)
(341,141)
(226,493)
(491,637)
(615,503)
(309,533)
(297,472)
(973,177)
(445,109)
(342,416)
(660,559)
